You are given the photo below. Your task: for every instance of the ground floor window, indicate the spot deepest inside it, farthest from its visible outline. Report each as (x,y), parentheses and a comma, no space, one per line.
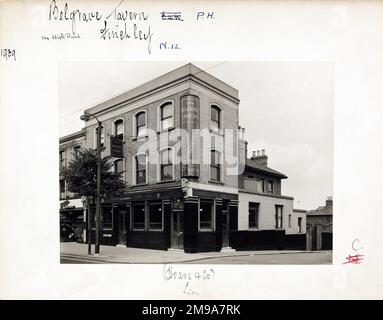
(206,215)
(155,216)
(253,215)
(278,217)
(299,224)
(138,216)
(107,218)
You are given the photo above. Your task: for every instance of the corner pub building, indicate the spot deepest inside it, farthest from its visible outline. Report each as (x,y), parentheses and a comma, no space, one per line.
(169,204)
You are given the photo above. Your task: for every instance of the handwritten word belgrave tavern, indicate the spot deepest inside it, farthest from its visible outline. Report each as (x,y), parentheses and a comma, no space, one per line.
(119,24)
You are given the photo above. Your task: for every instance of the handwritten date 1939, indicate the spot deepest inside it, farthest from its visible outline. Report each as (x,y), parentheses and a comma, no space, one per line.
(8,54)
(167,45)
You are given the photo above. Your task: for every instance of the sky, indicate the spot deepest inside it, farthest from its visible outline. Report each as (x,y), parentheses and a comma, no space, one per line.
(285,107)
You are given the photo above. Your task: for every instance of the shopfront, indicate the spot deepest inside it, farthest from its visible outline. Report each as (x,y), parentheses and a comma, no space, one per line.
(167,221)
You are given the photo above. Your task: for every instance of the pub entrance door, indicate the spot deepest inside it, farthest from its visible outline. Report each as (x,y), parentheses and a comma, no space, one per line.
(225,228)
(177,228)
(121,218)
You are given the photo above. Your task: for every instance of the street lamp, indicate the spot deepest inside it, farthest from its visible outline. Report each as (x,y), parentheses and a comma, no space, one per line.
(86,116)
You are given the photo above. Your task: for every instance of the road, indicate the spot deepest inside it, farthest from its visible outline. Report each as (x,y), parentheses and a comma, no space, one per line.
(309,258)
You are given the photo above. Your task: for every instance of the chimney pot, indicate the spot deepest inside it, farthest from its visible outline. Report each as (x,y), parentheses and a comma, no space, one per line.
(254,154)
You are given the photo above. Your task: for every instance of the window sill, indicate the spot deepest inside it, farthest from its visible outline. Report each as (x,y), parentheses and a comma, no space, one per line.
(165,181)
(218,132)
(139,185)
(140,138)
(216,182)
(205,230)
(165,130)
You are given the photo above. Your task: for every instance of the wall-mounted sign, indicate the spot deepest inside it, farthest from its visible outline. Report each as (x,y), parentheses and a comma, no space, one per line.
(190,119)
(116,148)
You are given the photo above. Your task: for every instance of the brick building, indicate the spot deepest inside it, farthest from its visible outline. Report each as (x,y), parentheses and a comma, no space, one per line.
(71,207)
(319,227)
(185,166)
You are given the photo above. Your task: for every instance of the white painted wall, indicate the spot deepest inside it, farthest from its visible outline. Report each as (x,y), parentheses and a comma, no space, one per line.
(294,223)
(266,211)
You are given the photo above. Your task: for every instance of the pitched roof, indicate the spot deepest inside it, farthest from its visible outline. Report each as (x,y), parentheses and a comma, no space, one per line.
(253,166)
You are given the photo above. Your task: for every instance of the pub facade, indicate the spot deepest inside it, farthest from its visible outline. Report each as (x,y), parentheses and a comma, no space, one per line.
(174,199)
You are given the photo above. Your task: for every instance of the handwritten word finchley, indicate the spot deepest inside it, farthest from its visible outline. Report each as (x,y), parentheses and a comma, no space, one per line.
(75,16)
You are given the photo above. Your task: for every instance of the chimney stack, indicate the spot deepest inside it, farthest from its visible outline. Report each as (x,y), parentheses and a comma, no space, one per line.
(260,157)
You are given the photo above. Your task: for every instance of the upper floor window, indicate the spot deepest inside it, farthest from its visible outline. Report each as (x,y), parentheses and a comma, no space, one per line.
(76,150)
(215,118)
(260,185)
(155,216)
(141,124)
(119,129)
(138,216)
(62,189)
(118,166)
(62,160)
(270,187)
(140,160)
(278,216)
(166,164)
(102,145)
(215,165)
(253,215)
(166,113)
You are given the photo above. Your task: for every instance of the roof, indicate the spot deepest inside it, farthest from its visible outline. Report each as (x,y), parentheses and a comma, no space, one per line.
(73,136)
(315,213)
(253,166)
(174,77)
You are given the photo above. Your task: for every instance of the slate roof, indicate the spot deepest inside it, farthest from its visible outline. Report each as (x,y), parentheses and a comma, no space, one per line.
(253,166)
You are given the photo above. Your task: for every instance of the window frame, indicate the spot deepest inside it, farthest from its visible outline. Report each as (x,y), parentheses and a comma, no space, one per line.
(153,203)
(102,137)
(161,165)
(257,215)
(160,118)
(213,212)
(220,118)
(103,220)
(300,227)
(270,187)
(135,204)
(136,127)
(115,167)
(135,159)
(277,227)
(218,166)
(115,128)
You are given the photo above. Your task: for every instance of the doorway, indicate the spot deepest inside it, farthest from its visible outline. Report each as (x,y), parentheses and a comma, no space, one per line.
(225,228)
(177,228)
(121,238)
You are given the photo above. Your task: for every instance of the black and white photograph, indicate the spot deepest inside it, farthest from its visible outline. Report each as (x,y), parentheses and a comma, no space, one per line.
(221,162)
(190,151)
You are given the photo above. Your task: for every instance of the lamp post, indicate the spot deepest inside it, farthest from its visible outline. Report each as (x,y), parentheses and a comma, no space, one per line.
(86,116)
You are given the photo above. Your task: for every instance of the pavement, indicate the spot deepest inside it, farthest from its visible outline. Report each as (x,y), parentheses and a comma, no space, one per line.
(72,252)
